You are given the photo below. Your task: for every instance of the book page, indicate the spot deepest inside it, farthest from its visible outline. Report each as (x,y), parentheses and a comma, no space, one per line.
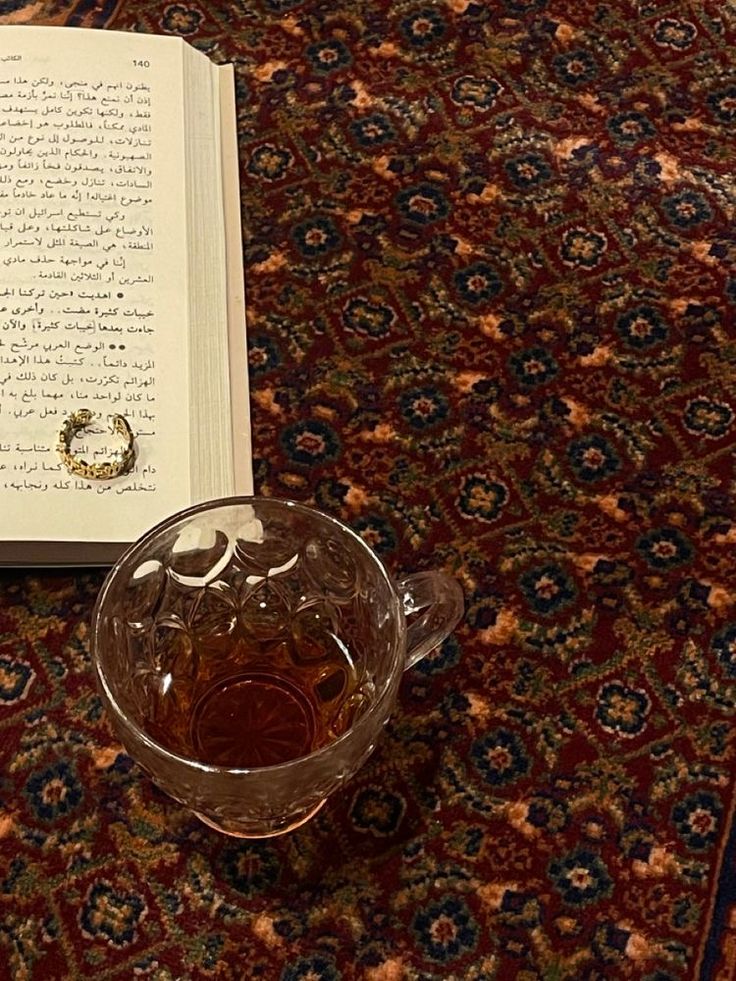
(209,382)
(93,278)
(237,342)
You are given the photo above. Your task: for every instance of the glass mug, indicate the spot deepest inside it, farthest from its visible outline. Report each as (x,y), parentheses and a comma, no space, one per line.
(248,652)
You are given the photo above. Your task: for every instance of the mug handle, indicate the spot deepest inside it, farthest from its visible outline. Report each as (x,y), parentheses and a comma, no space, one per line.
(438,599)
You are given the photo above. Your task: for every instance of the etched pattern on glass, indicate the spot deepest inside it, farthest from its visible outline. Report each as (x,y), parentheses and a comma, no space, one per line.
(222,610)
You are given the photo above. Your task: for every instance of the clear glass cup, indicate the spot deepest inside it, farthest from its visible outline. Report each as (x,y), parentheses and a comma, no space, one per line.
(248,652)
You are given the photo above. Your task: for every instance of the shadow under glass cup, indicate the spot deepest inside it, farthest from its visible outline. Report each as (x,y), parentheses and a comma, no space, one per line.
(248,652)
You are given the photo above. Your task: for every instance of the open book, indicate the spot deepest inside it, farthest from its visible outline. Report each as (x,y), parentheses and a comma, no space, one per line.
(121,287)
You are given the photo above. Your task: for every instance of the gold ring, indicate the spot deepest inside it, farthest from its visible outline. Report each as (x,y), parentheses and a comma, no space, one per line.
(121,462)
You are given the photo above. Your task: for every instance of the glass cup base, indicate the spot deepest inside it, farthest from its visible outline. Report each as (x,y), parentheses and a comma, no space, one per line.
(302,819)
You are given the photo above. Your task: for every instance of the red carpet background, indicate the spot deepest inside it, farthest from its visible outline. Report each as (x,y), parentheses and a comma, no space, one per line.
(491,299)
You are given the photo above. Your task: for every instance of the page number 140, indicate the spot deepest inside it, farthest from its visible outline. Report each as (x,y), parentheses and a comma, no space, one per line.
(141,63)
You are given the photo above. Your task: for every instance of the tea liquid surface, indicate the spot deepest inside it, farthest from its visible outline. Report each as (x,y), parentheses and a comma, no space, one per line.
(250,704)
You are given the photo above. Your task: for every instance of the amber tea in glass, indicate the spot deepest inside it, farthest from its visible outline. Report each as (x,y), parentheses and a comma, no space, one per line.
(259,703)
(249,651)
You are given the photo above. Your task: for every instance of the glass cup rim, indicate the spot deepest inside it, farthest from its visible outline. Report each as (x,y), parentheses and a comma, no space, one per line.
(212,505)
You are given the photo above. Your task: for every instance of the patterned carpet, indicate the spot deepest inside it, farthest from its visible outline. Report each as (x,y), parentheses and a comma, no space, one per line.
(491,296)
